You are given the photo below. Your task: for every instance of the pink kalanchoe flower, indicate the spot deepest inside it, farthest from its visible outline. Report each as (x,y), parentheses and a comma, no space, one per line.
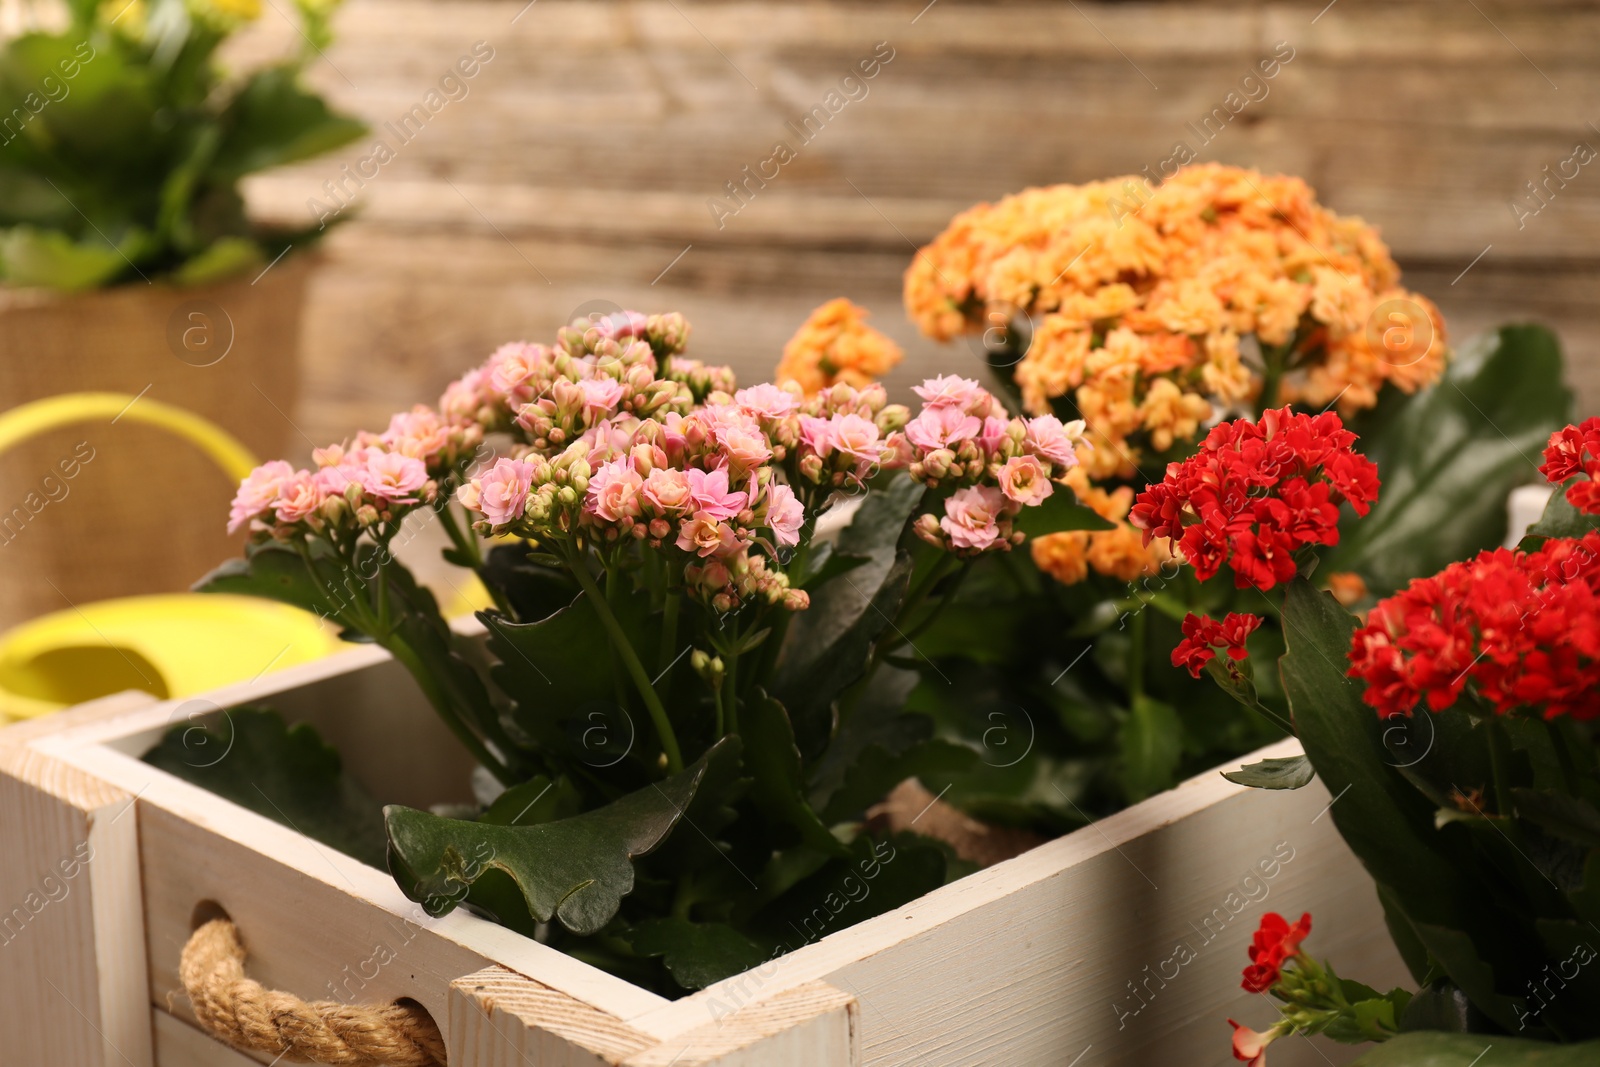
(1024,481)
(463,397)
(970,516)
(600,395)
(784,515)
(942,427)
(299,497)
(949,391)
(419,433)
(994,431)
(767,401)
(1047,438)
(512,368)
(621,324)
(816,434)
(711,496)
(667,490)
(500,493)
(745,448)
(614,491)
(257,492)
(391,477)
(704,535)
(856,437)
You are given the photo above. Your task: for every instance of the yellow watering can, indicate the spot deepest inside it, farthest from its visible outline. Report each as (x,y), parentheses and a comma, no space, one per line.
(171,645)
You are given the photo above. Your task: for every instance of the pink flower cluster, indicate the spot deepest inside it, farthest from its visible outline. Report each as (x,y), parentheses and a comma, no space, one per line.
(370,484)
(997,465)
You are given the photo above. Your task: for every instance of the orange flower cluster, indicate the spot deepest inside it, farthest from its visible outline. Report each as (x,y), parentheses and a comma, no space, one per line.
(835,345)
(1121,553)
(1140,297)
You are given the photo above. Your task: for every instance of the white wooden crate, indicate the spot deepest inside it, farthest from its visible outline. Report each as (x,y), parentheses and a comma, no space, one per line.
(1068,954)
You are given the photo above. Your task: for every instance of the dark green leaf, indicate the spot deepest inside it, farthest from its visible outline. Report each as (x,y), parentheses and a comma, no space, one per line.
(577,869)
(1561,519)
(538,800)
(287,773)
(277,572)
(1448,456)
(696,953)
(773,761)
(1431,1049)
(1568,817)
(1151,745)
(273,121)
(1277,772)
(830,643)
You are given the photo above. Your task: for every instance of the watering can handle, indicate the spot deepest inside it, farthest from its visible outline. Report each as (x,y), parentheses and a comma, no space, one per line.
(35,417)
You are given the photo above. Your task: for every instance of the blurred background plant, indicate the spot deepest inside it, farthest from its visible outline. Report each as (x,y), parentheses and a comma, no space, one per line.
(123,140)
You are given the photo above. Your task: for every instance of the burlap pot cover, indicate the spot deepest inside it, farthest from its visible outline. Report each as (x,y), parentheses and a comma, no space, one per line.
(111,507)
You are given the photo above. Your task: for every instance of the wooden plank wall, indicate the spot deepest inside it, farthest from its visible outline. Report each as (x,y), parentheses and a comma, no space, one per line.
(579,164)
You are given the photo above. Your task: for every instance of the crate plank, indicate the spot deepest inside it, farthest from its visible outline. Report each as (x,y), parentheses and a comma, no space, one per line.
(71,933)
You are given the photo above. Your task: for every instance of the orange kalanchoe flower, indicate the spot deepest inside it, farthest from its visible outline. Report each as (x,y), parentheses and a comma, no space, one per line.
(1143,299)
(835,345)
(1121,553)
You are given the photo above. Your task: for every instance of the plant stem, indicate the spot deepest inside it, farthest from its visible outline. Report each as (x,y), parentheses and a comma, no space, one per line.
(630,659)
(669,631)
(466,542)
(1497,766)
(730,682)
(1136,642)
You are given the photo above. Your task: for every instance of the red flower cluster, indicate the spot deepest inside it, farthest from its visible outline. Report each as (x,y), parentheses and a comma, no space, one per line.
(1256,493)
(1523,628)
(1201,635)
(1576,450)
(1276,940)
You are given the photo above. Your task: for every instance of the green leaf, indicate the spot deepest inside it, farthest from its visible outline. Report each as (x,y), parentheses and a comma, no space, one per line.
(1059,512)
(52,260)
(827,563)
(538,800)
(276,572)
(829,645)
(577,869)
(287,773)
(1561,519)
(773,762)
(273,121)
(1151,745)
(1433,1049)
(225,257)
(877,525)
(1276,772)
(696,954)
(1448,456)
(1567,817)
(559,669)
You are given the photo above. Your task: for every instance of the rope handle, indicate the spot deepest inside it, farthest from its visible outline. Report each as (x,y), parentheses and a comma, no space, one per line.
(239,1011)
(27,420)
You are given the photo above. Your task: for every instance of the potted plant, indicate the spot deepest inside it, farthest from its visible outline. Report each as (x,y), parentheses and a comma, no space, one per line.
(129,264)
(1452,720)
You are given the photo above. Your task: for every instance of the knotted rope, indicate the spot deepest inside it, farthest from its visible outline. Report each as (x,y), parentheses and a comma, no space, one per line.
(237,1010)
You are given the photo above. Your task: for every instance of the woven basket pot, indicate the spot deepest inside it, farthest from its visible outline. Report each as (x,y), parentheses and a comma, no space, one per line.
(109,507)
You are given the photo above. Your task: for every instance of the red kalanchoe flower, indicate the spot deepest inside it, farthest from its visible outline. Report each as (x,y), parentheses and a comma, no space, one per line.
(1258,492)
(1202,635)
(1575,450)
(1522,629)
(1275,941)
